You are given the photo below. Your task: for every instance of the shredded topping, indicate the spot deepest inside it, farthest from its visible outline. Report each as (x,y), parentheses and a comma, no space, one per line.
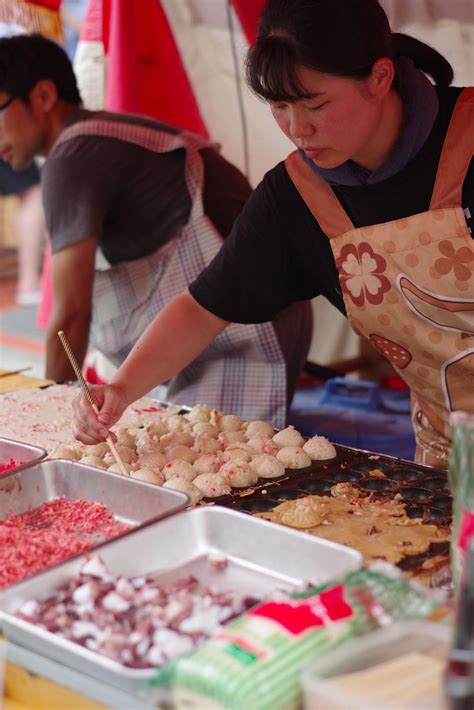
(44,536)
(8,466)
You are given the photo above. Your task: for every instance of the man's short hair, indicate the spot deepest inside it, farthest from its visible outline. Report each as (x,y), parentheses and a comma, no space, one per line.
(25,59)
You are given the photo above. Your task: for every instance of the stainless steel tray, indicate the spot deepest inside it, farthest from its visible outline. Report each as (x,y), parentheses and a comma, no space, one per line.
(261,556)
(16,450)
(133,502)
(90,689)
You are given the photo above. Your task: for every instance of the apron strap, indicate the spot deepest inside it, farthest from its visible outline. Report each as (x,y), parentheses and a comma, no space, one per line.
(456,154)
(318,197)
(154,140)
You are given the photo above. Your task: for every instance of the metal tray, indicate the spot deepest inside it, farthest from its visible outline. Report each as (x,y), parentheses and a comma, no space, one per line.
(262,557)
(133,502)
(424,490)
(39,667)
(16,450)
(349,464)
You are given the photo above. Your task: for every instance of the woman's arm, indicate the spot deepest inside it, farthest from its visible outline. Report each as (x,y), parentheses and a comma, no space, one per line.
(178,334)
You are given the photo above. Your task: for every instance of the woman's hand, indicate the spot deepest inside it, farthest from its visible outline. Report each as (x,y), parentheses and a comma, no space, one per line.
(91,428)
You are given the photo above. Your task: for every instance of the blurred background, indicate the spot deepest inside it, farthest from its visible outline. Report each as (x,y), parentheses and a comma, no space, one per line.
(178,60)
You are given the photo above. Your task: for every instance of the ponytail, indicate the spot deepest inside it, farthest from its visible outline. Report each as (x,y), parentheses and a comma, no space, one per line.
(424,57)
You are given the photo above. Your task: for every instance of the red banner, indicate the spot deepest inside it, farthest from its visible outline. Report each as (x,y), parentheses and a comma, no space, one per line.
(145,73)
(249,12)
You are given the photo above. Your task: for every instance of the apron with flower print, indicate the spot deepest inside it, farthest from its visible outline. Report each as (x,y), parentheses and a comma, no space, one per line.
(408,285)
(243,370)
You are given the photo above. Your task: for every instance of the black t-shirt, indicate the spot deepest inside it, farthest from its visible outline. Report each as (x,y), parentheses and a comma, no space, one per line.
(131,199)
(277,253)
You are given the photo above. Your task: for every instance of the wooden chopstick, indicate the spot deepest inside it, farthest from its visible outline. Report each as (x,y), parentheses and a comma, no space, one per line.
(89,397)
(7,373)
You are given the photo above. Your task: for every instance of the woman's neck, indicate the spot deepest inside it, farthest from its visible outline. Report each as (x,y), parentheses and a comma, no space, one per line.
(388,131)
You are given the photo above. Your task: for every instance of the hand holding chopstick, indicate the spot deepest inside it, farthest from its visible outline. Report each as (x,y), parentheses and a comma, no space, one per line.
(89,397)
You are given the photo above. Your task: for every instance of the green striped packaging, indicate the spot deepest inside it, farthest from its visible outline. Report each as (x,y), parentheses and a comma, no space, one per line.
(256,660)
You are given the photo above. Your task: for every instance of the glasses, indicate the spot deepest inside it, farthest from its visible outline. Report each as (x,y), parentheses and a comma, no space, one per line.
(7,103)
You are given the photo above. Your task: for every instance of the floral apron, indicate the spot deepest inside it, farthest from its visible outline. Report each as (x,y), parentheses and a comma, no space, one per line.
(408,286)
(243,370)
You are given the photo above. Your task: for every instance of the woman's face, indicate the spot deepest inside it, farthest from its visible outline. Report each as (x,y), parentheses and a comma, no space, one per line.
(341,121)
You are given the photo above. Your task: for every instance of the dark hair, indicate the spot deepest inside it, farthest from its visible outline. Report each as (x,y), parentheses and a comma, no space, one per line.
(27,58)
(339,37)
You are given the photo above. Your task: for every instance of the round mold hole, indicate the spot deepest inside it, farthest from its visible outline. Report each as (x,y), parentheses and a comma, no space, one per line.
(436,484)
(415,494)
(403,474)
(415,511)
(321,487)
(366,466)
(257,506)
(443,503)
(346,476)
(436,513)
(377,484)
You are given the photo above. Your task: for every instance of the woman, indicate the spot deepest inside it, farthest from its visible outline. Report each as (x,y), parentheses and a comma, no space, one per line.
(368,211)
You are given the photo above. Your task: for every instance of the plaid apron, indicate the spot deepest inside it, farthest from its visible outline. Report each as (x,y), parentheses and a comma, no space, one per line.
(408,285)
(243,370)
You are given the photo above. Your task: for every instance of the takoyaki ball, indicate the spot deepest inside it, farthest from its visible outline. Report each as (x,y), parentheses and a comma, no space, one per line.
(288,437)
(263,445)
(259,428)
(205,429)
(227,438)
(207,463)
(178,469)
(206,445)
(126,453)
(148,475)
(157,427)
(319,448)
(98,450)
(212,485)
(180,484)
(116,468)
(241,446)
(176,438)
(153,459)
(267,466)
(125,438)
(69,452)
(293,457)
(215,418)
(182,453)
(147,442)
(231,422)
(176,422)
(238,474)
(236,454)
(199,413)
(94,461)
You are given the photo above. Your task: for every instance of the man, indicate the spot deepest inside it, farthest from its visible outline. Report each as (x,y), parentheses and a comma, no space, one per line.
(154,203)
